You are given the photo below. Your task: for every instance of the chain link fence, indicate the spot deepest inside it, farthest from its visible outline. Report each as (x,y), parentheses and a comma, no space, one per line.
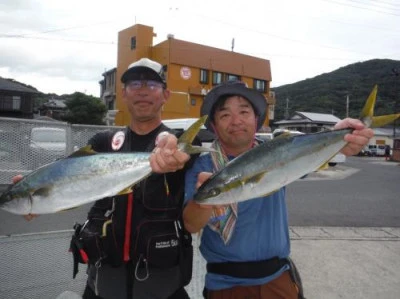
(39,266)
(26,144)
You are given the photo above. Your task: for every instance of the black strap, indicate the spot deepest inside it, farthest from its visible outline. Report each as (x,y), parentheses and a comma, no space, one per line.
(255,269)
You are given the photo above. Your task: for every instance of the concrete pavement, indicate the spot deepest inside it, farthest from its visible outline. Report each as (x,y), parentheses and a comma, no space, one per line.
(345,262)
(339,262)
(334,262)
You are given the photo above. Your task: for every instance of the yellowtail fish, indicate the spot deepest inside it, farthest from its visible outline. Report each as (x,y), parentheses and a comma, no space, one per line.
(276,163)
(84,177)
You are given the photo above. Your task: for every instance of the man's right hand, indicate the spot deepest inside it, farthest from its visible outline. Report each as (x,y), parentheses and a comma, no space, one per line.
(15,180)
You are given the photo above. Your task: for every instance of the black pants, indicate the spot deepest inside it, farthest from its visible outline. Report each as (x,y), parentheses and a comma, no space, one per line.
(179,294)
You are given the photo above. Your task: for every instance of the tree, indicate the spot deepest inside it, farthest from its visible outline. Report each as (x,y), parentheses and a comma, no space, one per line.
(84,109)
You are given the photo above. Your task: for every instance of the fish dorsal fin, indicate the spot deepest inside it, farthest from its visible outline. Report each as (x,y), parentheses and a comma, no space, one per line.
(83,151)
(189,135)
(283,135)
(185,140)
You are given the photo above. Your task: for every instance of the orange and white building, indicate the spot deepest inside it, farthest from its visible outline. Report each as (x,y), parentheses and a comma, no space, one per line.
(191,71)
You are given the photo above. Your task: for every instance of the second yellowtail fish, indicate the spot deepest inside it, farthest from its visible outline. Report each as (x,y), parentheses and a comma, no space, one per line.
(274,164)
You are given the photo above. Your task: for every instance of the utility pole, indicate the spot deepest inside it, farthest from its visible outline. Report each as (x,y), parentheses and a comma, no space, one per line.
(347,105)
(396,77)
(287,109)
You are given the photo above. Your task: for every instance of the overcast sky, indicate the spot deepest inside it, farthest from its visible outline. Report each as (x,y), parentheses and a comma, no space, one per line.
(65,46)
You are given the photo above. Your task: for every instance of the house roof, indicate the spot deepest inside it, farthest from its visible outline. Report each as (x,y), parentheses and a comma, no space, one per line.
(319,117)
(386,132)
(310,117)
(10,85)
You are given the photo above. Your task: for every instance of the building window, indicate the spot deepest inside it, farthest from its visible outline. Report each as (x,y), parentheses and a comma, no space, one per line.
(16,103)
(111,105)
(217,78)
(259,85)
(112,77)
(204,76)
(133,42)
(9,103)
(230,77)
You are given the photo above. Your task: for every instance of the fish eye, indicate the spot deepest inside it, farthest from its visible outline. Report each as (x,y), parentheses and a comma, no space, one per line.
(215,192)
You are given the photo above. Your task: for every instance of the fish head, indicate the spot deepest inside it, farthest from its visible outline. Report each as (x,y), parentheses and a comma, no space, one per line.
(16,200)
(206,193)
(5,197)
(218,189)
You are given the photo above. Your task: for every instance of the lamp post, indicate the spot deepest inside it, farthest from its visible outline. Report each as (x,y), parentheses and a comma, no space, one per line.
(396,74)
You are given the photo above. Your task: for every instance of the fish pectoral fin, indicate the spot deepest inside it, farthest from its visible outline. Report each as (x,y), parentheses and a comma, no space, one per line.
(83,151)
(255,178)
(43,192)
(323,166)
(68,209)
(125,191)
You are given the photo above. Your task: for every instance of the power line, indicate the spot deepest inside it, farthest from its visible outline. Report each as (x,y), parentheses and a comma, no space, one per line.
(55,39)
(365,8)
(379,4)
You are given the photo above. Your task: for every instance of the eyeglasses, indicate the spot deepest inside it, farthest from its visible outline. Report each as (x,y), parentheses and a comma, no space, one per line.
(150,84)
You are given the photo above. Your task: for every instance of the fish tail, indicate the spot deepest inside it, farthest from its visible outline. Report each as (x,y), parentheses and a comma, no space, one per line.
(367,113)
(186,139)
(380,121)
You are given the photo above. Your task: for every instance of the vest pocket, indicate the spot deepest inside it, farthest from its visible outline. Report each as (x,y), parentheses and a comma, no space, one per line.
(157,244)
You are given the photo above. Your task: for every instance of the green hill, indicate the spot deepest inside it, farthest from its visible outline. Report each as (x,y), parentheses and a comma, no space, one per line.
(327,93)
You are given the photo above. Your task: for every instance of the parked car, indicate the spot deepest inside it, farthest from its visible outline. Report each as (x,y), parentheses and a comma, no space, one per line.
(10,145)
(45,145)
(265,136)
(375,150)
(363,152)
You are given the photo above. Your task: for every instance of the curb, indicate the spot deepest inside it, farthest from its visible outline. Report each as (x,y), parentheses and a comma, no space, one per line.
(345,233)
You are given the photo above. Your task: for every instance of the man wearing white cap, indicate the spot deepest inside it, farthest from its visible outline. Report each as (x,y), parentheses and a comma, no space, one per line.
(135,244)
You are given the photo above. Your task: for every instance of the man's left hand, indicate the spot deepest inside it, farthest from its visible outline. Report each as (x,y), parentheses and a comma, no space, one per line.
(166,157)
(358,139)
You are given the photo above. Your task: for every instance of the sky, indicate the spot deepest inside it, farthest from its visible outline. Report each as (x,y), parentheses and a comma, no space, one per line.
(65,46)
